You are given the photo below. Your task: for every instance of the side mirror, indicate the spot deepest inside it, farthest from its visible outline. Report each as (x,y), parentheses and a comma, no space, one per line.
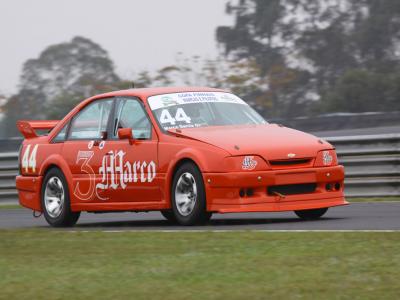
(126,134)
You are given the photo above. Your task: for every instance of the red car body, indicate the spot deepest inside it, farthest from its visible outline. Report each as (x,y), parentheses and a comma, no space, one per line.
(245,168)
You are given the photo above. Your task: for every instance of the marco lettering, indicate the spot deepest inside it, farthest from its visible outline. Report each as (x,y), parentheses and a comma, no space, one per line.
(116,172)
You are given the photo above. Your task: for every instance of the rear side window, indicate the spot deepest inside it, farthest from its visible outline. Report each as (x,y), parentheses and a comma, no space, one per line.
(91,121)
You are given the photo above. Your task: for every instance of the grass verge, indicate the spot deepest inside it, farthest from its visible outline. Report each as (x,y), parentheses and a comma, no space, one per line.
(10,206)
(38,264)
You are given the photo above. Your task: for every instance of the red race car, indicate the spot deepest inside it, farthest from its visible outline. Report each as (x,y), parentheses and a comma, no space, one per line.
(187,152)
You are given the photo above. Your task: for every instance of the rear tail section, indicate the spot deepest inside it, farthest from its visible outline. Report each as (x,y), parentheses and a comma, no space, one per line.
(29,128)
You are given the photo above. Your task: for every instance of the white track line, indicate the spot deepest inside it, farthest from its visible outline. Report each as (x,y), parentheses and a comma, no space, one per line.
(223,230)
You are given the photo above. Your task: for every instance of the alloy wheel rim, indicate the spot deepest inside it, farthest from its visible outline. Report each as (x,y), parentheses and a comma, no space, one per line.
(54,197)
(185,194)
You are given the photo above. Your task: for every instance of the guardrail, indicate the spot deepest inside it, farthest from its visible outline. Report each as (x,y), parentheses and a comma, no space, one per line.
(372,164)
(8,171)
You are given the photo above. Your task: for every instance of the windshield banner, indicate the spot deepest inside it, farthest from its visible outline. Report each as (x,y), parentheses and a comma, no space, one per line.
(167,100)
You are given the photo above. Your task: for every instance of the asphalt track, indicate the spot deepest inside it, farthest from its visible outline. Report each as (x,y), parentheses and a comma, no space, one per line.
(356,216)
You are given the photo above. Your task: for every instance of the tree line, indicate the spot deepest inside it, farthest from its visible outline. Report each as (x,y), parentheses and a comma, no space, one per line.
(287,58)
(319,56)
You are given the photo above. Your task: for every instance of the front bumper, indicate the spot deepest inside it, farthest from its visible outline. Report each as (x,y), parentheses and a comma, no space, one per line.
(225,190)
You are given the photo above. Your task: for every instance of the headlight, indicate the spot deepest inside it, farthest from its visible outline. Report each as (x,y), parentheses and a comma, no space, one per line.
(245,163)
(326,158)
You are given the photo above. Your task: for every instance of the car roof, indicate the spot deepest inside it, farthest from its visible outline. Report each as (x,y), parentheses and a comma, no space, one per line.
(144,93)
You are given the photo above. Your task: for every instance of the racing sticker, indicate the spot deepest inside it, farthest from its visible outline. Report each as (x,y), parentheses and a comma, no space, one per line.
(249,163)
(123,172)
(168,100)
(29,158)
(115,172)
(180,116)
(327,158)
(85,157)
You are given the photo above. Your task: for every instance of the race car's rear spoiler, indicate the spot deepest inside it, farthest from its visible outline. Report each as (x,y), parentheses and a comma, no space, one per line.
(28,128)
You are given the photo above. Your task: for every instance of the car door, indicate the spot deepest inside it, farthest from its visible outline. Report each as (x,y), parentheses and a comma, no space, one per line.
(84,149)
(129,171)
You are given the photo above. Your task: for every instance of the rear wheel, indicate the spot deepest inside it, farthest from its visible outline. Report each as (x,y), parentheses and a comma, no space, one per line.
(311,214)
(55,200)
(188,196)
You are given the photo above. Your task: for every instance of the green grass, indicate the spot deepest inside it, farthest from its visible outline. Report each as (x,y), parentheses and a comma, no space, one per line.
(49,264)
(10,206)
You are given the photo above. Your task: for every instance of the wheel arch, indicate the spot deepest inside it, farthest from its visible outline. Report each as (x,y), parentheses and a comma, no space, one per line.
(171,173)
(198,213)
(57,161)
(176,166)
(49,167)
(181,162)
(44,173)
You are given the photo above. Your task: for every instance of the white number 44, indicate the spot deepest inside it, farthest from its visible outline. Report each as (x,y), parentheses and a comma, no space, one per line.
(180,116)
(29,161)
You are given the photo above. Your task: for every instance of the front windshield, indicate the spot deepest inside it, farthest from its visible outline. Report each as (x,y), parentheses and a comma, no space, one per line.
(202,109)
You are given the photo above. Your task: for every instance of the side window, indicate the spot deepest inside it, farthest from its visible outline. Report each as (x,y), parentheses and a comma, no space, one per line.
(129,113)
(91,121)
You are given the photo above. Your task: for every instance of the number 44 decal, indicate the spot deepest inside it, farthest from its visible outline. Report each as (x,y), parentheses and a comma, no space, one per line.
(29,161)
(180,116)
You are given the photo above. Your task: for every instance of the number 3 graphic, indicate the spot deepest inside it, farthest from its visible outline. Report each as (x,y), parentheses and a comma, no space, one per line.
(87,169)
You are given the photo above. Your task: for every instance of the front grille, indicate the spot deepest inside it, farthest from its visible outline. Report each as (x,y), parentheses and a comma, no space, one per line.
(289,162)
(292,189)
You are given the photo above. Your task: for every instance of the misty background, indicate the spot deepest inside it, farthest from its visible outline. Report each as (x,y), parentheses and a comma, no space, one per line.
(310,64)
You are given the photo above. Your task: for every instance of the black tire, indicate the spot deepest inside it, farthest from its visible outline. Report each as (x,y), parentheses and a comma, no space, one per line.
(198,214)
(311,214)
(64,217)
(169,215)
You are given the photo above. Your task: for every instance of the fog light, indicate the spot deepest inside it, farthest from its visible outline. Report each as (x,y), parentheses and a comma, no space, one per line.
(328,187)
(337,186)
(241,193)
(249,192)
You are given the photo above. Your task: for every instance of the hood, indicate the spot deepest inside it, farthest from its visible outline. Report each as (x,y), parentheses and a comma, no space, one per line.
(270,141)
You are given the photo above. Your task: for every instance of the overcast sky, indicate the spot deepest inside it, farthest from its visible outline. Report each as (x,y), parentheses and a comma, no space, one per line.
(138,34)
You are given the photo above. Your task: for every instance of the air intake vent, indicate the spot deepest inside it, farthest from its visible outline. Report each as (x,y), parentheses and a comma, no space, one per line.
(289,162)
(292,189)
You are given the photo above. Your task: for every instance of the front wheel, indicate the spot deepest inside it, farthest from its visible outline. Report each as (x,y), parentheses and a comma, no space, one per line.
(311,214)
(188,196)
(55,200)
